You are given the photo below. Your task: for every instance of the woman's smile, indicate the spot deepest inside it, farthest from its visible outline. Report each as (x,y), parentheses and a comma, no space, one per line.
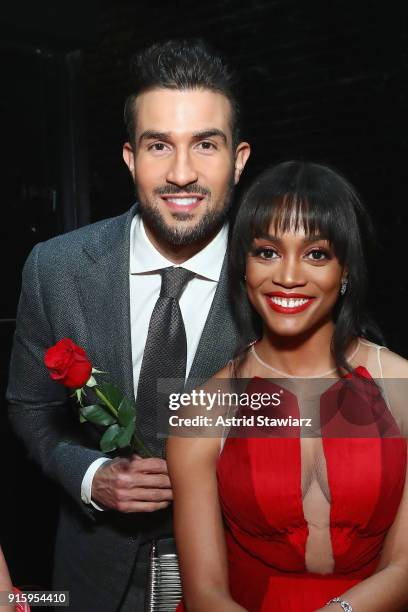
(288,303)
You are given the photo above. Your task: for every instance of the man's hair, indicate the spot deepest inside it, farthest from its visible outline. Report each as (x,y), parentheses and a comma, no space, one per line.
(180,65)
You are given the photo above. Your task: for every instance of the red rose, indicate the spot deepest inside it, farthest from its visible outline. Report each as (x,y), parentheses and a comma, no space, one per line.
(68,363)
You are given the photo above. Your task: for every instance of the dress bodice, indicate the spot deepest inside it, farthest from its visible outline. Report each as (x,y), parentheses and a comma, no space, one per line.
(306,512)
(260,476)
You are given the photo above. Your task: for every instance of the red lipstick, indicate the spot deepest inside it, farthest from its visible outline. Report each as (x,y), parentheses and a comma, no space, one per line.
(288,303)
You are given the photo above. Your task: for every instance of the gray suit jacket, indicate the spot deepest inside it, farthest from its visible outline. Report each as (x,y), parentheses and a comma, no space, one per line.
(77,286)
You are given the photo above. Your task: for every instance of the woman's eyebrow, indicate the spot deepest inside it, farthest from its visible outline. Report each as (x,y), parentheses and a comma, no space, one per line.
(265,236)
(277,240)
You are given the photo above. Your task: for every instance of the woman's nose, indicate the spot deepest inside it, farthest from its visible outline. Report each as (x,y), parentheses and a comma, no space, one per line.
(289,273)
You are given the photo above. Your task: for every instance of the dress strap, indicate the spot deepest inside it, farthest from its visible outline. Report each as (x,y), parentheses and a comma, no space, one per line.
(381,381)
(379,359)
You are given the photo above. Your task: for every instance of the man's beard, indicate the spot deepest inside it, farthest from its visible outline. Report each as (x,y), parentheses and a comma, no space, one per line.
(207,227)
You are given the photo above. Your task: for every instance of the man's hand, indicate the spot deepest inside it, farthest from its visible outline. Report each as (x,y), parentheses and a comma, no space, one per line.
(132,485)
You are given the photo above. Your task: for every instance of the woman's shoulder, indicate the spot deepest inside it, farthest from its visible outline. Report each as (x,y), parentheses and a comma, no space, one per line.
(392,365)
(226,371)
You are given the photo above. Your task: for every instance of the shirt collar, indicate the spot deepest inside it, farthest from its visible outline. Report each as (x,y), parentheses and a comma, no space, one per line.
(144,257)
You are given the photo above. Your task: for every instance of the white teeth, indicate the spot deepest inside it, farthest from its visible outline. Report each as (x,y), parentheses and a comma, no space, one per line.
(289,303)
(183,201)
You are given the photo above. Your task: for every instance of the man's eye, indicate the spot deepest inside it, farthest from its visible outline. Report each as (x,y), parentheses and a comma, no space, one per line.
(157,146)
(317,255)
(206,145)
(266,253)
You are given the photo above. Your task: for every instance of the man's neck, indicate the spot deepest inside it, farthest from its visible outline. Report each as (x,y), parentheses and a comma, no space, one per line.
(178,254)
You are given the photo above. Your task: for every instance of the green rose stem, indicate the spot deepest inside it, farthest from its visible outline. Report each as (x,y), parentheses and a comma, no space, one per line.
(137,443)
(106,402)
(113,410)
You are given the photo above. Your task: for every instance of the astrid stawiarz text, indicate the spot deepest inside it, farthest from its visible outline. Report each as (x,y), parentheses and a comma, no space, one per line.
(209,401)
(234,421)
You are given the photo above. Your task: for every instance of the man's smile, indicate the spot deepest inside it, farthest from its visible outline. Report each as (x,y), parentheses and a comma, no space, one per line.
(182,202)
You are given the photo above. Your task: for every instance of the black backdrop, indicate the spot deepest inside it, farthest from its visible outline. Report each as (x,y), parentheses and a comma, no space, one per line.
(322,81)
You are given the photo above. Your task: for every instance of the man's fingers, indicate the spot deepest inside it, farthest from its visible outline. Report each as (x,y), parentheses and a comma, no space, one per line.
(131,480)
(151,465)
(144,495)
(142,506)
(122,486)
(152,481)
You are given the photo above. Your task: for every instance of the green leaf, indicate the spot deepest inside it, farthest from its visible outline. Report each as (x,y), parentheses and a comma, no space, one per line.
(112,393)
(97,414)
(125,435)
(127,412)
(82,419)
(108,440)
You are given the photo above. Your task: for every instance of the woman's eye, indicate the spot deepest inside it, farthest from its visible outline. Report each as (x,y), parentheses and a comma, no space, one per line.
(317,255)
(266,253)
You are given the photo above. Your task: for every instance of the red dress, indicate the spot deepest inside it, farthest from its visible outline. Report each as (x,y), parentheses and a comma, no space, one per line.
(261,497)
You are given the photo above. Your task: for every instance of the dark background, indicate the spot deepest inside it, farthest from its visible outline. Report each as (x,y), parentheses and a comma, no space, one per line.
(322,81)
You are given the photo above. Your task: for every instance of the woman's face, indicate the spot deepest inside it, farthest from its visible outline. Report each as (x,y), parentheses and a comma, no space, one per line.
(293,281)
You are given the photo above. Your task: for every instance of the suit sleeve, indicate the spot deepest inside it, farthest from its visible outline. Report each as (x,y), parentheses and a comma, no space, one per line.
(39,411)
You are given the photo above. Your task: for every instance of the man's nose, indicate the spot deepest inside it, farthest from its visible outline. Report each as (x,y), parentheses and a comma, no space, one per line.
(289,273)
(182,171)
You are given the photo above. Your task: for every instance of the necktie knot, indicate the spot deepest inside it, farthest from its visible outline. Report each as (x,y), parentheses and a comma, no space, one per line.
(173,281)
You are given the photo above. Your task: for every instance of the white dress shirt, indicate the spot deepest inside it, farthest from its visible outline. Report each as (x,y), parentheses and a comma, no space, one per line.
(145,283)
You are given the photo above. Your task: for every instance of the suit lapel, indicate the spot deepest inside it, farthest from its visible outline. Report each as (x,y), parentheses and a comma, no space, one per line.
(104,291)
(219,337)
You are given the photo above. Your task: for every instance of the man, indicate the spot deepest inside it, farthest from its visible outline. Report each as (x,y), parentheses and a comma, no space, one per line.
(104,286)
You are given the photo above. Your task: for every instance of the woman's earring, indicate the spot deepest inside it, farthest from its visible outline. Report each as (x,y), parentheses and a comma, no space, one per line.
(344,284)
(244,277)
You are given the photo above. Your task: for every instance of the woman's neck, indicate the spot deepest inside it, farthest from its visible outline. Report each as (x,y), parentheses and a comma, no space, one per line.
(306,355)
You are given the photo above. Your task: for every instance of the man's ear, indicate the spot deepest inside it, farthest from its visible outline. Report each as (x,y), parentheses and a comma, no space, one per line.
(129,158)
(242,152)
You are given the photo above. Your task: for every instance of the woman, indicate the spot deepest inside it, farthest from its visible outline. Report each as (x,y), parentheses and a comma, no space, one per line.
(289,522)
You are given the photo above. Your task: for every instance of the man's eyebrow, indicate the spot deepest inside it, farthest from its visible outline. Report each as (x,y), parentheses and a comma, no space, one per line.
(209,134)
(153,135)
(156,135)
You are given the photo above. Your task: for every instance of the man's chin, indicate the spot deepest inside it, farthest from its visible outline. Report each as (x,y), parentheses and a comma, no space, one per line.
(185,235)
(184,217)
(183,229)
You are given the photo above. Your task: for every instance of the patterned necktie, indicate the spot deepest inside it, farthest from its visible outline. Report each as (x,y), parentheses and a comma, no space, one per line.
(164,357)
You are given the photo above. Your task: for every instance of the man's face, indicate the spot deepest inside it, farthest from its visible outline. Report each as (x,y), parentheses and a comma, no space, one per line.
(184,166)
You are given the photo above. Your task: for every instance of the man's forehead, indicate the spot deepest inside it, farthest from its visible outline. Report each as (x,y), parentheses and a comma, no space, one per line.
(182,111)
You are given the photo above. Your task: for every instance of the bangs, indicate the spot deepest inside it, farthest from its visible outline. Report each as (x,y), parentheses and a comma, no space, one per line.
(293,212)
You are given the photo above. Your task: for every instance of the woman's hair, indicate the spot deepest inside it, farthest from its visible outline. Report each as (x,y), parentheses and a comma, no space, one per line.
(299,195)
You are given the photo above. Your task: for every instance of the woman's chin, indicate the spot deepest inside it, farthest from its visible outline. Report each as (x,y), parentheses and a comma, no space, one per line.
(287,331)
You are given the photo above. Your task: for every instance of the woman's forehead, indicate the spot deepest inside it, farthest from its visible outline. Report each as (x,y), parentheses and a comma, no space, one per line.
(298,236)
(295,229)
